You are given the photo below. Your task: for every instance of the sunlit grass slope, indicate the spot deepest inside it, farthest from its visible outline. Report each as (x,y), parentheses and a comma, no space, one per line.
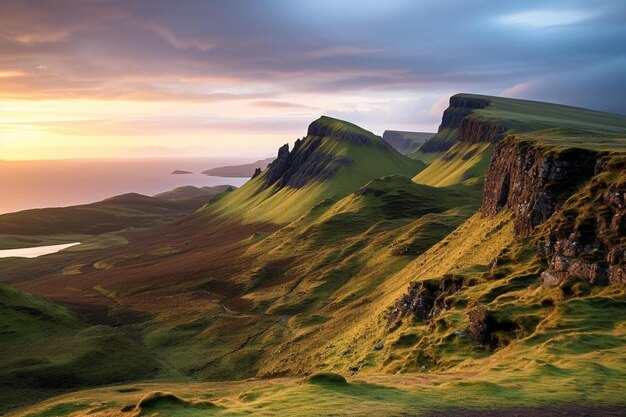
(255,202)
(334,254)
(463,162)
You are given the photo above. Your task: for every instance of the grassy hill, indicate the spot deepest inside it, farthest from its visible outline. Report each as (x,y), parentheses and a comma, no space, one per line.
(493,279)
(353,155)
(477,118)
(46,347)
(76,223)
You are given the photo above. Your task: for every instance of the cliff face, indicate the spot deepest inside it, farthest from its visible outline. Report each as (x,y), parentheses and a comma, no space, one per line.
(531,182)
(457,125)
(586,239)
(305,163)
(581,238)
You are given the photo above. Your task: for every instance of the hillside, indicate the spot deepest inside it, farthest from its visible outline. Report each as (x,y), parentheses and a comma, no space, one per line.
(495,278)
(68,224)
(333,160)
(473,118)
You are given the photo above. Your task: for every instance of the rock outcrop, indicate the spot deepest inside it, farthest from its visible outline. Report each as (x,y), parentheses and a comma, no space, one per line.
(307,162)
(583,238)
(458,125)
(424,299)
(587,238)
(531,181)
(487,329)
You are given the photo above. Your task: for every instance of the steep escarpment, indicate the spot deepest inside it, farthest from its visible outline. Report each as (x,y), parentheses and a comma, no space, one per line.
(455,125)
(586,239)
(572,200)
(305,163)
(472,118)
(531,181)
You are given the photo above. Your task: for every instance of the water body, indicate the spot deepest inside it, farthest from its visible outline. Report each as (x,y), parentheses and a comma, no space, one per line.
(37,184)
(35,251)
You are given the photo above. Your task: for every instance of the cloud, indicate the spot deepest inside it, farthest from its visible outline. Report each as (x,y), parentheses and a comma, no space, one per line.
(541,19)
(389,65)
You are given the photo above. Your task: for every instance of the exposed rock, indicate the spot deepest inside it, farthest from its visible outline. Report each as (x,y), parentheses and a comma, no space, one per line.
(486,329)
(425,299)
(257,172)
(479,326)
(589,242)
(307,162)
(457,117)
(586,239)
(532,182)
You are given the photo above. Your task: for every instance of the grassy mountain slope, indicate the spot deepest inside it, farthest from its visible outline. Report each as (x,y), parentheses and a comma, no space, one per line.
(462,162)
(468,114)
(415,292)
(362,159)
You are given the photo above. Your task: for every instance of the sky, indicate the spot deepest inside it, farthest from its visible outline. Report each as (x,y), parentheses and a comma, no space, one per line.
(88,79)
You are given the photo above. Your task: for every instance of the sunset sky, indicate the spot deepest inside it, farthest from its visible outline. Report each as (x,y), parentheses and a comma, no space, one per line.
(191,78)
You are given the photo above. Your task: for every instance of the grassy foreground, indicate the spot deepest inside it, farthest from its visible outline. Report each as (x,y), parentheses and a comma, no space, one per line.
(329,394)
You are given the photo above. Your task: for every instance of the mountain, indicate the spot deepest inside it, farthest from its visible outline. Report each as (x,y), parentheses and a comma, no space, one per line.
(332,160)
(493,278)
(473,118)
(406,142)
(240,171)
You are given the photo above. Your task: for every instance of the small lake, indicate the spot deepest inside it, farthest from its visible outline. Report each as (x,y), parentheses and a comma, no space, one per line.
(35,251)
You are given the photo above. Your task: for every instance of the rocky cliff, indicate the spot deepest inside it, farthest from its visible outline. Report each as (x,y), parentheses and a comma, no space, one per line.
(586,238)
(458,124)
(574,195)
(531,181)
(305,163)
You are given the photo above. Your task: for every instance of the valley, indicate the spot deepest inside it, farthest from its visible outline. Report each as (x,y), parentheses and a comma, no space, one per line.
(485,270)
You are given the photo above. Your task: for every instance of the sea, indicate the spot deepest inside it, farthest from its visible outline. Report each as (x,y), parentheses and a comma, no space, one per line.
(59,183)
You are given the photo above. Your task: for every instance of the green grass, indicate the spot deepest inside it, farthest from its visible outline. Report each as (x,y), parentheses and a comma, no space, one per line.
(311,297)
(47,347)
(586,127)
(254,203)
(461,163)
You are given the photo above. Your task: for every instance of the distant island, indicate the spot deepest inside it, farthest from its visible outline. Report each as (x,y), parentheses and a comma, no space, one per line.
(238,171)
(180,172)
